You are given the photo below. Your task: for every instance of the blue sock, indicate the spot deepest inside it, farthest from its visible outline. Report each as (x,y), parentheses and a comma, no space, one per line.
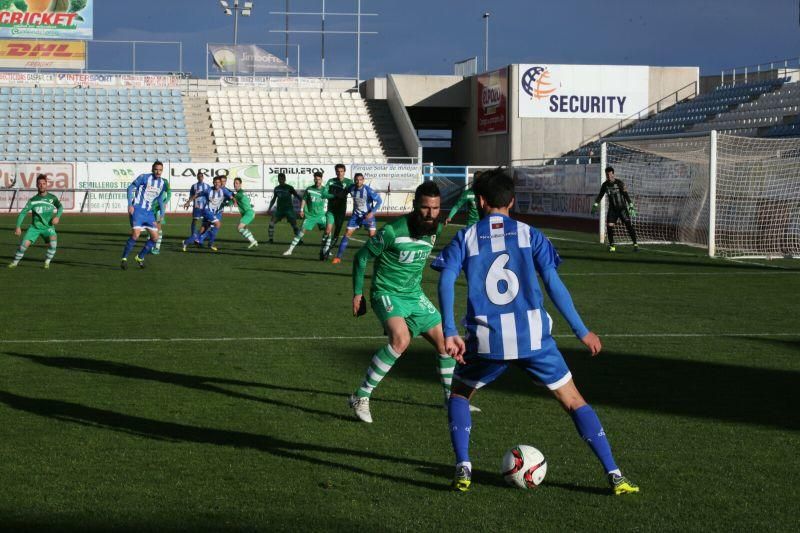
(205,235)
(128,247)
(590,430)
(146,248)
(193,237)
(213,235)
(460,426)
(194,225)
(342,247)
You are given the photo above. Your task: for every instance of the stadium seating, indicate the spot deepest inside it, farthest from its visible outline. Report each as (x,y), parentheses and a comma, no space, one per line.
(53,124)
(263,126)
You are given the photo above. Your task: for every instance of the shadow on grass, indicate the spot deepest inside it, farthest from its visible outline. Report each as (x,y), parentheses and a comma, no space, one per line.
(203,383)
(643,258)
(175,432)
(727,393)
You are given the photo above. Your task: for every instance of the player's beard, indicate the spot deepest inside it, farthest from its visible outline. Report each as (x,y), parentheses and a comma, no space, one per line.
(419,226)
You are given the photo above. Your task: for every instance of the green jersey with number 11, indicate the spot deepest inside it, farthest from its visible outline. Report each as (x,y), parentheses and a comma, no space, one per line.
(400,260)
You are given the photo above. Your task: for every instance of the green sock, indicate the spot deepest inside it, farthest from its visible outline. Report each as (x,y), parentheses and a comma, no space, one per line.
(20,253)
(446,366)
(381,363)
(296,240)
(51,252)
(247,234)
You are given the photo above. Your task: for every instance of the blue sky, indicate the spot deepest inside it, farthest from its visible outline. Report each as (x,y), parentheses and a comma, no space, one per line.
(428,36)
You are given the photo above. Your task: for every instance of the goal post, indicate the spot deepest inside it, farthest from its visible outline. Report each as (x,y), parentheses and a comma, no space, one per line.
(734,196)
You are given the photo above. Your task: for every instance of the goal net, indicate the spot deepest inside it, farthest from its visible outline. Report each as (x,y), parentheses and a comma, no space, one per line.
(735,196)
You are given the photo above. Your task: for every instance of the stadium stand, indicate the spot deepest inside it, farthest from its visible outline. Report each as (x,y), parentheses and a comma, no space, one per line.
(53,124)
(768,108)
(264,125)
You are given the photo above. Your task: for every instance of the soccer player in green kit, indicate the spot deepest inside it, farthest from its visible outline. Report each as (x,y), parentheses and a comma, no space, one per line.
(401,249)
(283,195)
(336,193)
(312,211)
(46,211)
(165,197)
(467,197)
(242,201)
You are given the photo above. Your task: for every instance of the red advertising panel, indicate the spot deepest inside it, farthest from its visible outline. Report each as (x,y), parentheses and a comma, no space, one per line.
(493,102)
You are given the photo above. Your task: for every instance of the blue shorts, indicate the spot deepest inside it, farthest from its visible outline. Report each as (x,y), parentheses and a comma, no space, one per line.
(143,219)
(547,368)
(197,212)
(210,216)
(356,221)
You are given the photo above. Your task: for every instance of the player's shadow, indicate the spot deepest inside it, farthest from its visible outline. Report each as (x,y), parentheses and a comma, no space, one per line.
(205,383)
(201,383)
(177,432)
(729,393)
(296,272)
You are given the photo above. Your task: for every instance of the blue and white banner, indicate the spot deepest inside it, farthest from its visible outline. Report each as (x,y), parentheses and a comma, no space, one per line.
(582,91)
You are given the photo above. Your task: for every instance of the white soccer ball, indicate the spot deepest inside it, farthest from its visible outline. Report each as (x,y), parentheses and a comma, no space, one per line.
(524,467)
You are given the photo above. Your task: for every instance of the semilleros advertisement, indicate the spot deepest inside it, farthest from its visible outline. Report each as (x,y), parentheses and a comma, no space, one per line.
(47,19)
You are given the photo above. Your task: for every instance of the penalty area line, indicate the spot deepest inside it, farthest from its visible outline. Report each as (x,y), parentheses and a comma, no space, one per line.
(362,337)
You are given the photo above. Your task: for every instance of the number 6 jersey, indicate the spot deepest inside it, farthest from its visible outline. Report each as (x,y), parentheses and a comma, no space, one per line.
(505,309)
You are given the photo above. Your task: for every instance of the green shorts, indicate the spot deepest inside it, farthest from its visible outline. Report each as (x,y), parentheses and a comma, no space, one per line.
(334,219)
(288,214)
(248,217)
(313,223)
(163,220)
(32,234)
(419,313)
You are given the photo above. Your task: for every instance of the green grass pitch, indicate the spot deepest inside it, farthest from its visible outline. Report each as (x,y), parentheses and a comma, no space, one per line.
(208,392)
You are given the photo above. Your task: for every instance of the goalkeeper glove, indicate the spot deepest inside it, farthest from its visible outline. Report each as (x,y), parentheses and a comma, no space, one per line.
(632,210)
(594,207)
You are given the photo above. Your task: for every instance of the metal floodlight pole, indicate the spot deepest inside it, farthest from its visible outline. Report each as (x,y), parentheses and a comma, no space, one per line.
(286,47)
(358,46)
(235,22)
(486,41)
(322,49)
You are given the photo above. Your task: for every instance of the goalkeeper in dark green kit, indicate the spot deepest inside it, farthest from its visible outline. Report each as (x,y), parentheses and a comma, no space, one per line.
(620,207)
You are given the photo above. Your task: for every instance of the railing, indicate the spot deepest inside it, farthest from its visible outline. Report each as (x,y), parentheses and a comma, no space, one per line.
(781,68)
(666,102)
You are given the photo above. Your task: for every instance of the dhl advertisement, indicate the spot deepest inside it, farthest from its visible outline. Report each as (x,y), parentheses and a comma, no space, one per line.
(47,19)
(43,54)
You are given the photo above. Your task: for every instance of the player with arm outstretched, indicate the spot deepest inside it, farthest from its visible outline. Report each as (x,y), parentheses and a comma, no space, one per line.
(366,203)
(506,323)
(45,211)
(144,193)
(284,196)
(335,192)
(242,202)
(215,200)
(401,251)
(467,198)
(620,207)
(312,211)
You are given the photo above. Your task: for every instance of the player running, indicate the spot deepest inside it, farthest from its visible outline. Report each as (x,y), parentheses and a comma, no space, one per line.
(336,194)
(507,324)
(312,211)
(45,211)
(161,218)
(284,196)
(467,197)
(215,199)
(199,203)
(620,206)
(242,201)
(366,203)
(401,249)
(146,191)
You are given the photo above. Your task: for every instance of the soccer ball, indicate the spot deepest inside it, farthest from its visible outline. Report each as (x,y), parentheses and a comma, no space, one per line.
(524,467)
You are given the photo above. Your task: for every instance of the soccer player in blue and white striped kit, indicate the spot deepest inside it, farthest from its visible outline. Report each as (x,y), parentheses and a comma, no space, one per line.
(215,199)
(506,323)
(199,201)
(144,193)
(366,203)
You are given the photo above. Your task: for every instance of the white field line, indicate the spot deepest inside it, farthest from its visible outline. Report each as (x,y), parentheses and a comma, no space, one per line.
(360,337)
